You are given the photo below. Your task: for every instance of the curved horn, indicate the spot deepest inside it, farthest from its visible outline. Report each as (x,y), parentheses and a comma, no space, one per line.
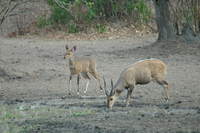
(105,86)
(112,83)
(111,92)
(66,46)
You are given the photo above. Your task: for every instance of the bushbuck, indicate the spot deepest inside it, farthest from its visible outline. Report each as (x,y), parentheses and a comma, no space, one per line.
(82,66)
(141,72)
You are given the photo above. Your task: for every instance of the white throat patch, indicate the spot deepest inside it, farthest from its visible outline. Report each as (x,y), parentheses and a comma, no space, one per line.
(71,66)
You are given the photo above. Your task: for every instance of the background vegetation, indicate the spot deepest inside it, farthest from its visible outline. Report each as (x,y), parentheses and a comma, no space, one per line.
(22,17)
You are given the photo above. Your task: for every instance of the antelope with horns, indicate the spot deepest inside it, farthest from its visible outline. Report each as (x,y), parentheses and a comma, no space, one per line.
(141,72)
(82,66)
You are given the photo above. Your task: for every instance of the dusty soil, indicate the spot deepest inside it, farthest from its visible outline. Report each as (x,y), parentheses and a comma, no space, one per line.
(35,72)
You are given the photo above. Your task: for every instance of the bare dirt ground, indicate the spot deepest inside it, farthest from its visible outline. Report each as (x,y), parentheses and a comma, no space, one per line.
(37,74)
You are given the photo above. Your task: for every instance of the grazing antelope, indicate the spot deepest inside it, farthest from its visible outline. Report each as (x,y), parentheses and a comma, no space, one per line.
(82,66)
(141,72)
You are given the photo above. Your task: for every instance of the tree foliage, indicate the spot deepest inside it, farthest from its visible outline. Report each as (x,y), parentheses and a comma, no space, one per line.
(77,15)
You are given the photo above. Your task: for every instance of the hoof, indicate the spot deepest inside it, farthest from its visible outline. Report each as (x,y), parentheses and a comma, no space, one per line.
(166,99)
(63,97)
(85,91)
(167,107)
(69,93)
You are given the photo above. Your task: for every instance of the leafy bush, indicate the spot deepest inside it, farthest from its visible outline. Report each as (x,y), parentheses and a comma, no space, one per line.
(73,28)
(70,13)
(43,22)
(101,28)
(143,10)
(59,13)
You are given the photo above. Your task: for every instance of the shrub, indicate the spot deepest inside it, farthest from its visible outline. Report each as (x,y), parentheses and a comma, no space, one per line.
(70,13)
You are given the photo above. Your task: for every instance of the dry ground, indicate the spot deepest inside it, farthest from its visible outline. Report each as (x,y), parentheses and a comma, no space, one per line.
(37,74)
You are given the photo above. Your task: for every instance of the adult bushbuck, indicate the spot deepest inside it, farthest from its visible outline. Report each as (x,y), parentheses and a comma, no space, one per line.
(82,66)
(141,72)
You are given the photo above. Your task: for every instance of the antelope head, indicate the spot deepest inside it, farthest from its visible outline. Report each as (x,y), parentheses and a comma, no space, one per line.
(111,96)
(69,53)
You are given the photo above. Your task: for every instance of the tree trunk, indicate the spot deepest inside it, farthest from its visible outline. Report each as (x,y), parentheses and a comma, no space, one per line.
(164,25)
(196,4)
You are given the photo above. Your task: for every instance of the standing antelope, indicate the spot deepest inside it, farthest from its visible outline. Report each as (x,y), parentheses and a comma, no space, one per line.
(81,66)
(141,72)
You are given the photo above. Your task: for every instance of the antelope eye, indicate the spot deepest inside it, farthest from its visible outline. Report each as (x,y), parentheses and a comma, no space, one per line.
(111,99)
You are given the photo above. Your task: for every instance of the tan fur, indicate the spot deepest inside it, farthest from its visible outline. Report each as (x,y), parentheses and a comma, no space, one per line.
(82,66)
(141,72)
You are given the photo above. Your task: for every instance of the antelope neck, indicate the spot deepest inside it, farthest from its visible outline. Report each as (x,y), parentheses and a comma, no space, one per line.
(119,84)
(71,62)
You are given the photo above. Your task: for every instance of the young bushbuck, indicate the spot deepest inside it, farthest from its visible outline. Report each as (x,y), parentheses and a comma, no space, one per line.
(82,66)
(141,72)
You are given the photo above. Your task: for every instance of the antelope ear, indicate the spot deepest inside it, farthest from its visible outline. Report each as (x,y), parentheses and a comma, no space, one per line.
(66,46)
(74,48)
